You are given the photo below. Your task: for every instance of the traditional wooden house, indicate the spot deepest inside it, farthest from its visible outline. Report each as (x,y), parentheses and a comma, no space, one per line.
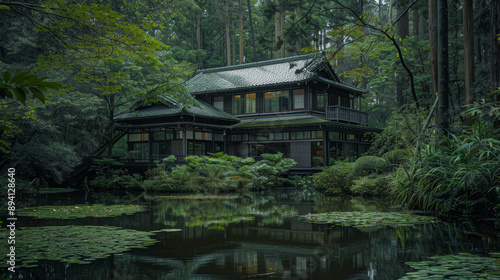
(295,105)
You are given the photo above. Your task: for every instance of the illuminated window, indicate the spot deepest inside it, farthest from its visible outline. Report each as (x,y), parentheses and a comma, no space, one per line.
(250,103)
(276,101)
(206,136)
(219,102)
(316,134)
(320,101)
(138,137)
(245,104)
(281,136)
(300,135)
(239,104)
(298,99)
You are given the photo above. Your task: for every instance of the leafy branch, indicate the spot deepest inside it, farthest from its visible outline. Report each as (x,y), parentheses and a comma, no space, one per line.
(23,84)
(394,42)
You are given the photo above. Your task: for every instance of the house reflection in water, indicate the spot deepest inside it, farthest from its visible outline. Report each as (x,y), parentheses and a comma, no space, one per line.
(259,236)
(285,249)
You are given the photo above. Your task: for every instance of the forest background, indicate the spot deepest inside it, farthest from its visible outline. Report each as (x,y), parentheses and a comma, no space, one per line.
(68,67)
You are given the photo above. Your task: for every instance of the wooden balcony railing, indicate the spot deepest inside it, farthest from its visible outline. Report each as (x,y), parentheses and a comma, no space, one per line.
(338,113)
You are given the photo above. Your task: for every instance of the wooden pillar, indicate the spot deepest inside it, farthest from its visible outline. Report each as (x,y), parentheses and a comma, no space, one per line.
(184,143)
(224,138)
(150,146)
(326,148)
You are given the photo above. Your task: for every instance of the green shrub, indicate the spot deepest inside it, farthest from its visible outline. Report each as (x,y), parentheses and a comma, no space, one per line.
(300,181)
(369,165)
(335,179)
(107,174)
(133,182)
(218,173)
(265,173)
(397,157)
(458,175)
(318,161)
(372,185)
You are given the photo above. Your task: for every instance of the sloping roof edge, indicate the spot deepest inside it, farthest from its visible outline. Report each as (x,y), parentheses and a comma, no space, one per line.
(178,109)
(311,56)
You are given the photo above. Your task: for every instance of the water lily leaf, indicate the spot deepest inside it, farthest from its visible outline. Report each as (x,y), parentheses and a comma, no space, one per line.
(368,219)
(461,266)
(79,211)
(168,230)
(59,243)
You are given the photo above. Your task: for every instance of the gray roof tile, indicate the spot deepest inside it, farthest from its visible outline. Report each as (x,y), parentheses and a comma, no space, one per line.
(272,72)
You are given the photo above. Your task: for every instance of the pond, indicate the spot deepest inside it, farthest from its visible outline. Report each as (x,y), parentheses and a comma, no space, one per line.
(250,236)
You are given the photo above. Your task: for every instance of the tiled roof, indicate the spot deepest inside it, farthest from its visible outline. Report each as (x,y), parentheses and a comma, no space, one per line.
(341,85)
(295,120)
(294,69)
(156,110)
(168,107)
(281,120)
(206,110)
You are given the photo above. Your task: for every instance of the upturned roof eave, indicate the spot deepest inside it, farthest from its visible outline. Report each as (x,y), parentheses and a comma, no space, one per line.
(260,87)
(340,85)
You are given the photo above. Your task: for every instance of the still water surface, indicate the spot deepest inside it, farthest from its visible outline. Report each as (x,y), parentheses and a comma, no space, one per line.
(260,236)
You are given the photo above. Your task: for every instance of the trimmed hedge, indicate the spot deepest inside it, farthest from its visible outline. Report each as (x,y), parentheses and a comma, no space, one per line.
(370,165)
(335,179)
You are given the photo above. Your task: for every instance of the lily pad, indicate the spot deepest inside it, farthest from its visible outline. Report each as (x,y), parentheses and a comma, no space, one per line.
(79,211)
(55,190)
(464,266)
(199,196)
(368,219)
(168,230)
(72,244)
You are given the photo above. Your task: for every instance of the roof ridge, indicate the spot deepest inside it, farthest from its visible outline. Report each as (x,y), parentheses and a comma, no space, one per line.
(260,63)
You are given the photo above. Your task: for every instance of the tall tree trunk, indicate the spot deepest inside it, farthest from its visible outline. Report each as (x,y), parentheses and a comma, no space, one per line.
(198,29)
(403,25)
(279,25)
(416,29)
(111,126)
(240,11)
(222,28)
(390,11)
(468,18)
(277,31)
(495,47)
(233,39)
(251,31)
(422,21)
(277,37)
(282,28)
(228,37)
(403,30)
(380,10)
(198,36)
(433,41)
(443,69)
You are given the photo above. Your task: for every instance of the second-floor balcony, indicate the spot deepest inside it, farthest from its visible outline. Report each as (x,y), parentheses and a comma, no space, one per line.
(339,113)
